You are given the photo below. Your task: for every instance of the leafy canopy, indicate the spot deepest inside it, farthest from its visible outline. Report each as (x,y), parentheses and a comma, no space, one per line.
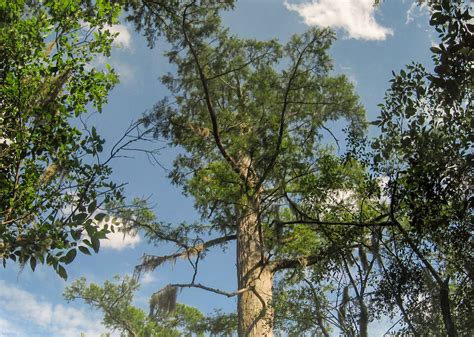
(269,103)
(51,177)
(115,298)
(426,150)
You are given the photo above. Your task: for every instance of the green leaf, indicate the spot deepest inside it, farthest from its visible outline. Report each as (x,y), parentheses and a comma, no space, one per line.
(62,272)
(76,234)
(70,256)
(33,263)
(84,250)
(95,244)
(100,216)
(91,230)
(80,218)
(92,206)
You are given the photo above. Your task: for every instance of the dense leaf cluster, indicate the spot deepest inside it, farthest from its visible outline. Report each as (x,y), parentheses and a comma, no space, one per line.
(51,178)
(115,298)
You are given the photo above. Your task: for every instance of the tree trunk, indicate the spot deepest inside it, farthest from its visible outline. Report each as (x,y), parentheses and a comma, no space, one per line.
(446,309)
(254,309)
(364,318)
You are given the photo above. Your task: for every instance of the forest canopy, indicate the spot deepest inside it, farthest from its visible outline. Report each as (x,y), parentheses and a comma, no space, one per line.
(333,230)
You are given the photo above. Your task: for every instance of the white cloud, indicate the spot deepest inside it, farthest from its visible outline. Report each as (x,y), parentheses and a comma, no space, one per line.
(416,11)
(30,316)
(356,17)
(7,329)
(147,278)
(124,39)
(125,70)
(119,240)
(116,240)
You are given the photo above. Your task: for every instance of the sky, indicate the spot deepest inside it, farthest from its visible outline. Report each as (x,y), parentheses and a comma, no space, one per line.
(371,43)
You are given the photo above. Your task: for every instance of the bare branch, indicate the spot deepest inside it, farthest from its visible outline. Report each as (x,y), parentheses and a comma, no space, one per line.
(214,290)
(333,136)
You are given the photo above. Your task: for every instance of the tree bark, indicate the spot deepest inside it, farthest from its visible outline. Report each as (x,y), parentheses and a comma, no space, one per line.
(446,309)
(255,314)
(364,318)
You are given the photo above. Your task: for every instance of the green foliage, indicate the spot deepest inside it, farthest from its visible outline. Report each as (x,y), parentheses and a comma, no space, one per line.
(156,18)
(302,311)
(115,298)
(52,181)
(418,265)
(426,150)
(249,118)
(249,93)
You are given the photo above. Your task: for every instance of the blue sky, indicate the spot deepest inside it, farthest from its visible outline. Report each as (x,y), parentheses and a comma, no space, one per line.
(371,43)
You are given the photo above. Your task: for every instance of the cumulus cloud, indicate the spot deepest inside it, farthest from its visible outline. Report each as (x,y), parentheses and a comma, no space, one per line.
(7,329)
(120,240)
(31,316)
(356,17)
(124,38)
(147,278)
(122,42)
(125,70)
(117,240)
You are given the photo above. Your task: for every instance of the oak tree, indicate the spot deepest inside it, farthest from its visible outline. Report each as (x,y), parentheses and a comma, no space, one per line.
(52,180)
(425,148)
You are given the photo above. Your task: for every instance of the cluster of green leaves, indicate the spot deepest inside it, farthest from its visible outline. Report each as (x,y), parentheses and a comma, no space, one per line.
(249,94)
(115,298)
(346,216)
(419,265)
(51,178)
(302,311)
(426,150)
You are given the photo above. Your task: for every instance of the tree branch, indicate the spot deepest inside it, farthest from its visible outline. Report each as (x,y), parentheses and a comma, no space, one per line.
(333,223)
(150,262)
(210,107)
(303,260)
(108,311)
(240,67)
(214,290)
(281,130)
